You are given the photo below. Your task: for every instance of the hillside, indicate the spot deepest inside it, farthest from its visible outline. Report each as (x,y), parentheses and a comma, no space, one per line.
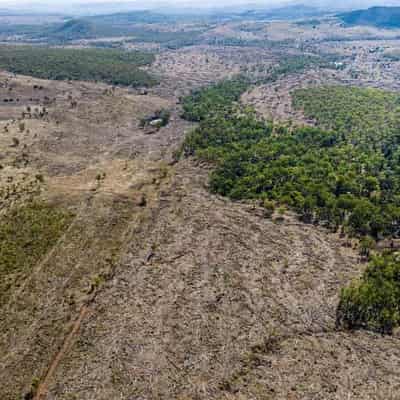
(76,29)
(142,279)
(125,18)
(110,66)
(344,177)
(285,13)
(381,17)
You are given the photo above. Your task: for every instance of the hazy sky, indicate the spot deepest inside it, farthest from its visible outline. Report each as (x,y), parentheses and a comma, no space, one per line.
(193,2)
(54,3)
(123,4)
(139,3)
(190,2)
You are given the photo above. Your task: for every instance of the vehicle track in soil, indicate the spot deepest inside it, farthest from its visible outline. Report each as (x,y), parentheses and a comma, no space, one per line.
(72,331)
(85,309)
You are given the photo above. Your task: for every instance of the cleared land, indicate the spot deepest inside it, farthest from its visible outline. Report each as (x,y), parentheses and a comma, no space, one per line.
(156,288)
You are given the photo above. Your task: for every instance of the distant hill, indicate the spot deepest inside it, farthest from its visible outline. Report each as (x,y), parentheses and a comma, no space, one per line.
(124,18)
(226,13)
(289,12)
(381,17)
(130,24)
(76,29)
(115,25)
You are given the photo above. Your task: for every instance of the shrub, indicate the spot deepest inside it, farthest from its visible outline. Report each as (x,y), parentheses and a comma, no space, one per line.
(269,208)
(374,301)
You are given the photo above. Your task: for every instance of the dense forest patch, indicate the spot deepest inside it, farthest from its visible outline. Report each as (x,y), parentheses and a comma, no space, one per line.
(110,66)
(344,174)
(365,117)
(203,103)
(27,233)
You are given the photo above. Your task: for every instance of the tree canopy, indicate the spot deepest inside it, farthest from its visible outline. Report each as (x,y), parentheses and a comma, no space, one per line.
(110,66)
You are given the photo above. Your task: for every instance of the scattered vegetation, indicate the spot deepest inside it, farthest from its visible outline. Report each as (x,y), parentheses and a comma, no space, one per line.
(296,64)
(169,39)
(309,22)
(110,66)
(374,301)
(26,234)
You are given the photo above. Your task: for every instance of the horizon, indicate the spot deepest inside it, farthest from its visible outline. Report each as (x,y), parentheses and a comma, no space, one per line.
(103,6)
